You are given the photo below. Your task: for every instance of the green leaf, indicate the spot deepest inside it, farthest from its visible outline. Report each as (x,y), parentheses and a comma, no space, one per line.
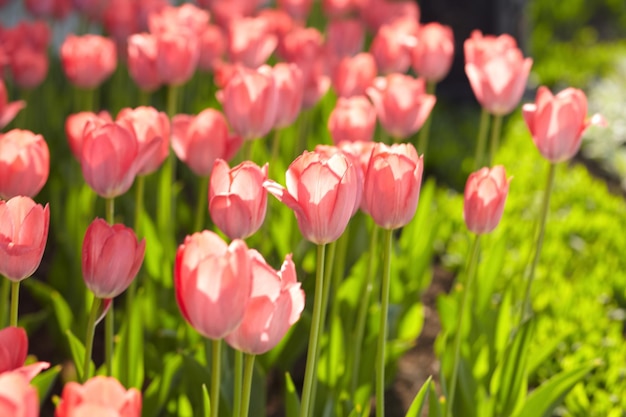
(542,401)
(420,399)
(78,354)
(435,405)
(44,382)
(52,297)
(206,401)
(129,359)
(292,401)
(158,392)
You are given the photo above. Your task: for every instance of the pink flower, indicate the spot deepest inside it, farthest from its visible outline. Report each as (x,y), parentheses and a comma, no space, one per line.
(353,119)
(23,234)
(49,8)
(99,396)
(434,51)
(251,41)
(17,397)
(401,103)
(377,13)
(212,48)
(298,9)
(237,199)
(557,123)
(321,191)
(213,283)
(142,61)
(485,195)
(353,75)
(88,60)
(392,184)
(8,110)
(24,163)
(391,47)
(76,126)
(111,258)
(344,37)
(275,305)
(13,352)
(199,140)
(497,71)
(288,82)
(178,56)
(29,67)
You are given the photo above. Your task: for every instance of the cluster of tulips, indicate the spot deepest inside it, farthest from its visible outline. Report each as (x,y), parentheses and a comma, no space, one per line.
(227,291)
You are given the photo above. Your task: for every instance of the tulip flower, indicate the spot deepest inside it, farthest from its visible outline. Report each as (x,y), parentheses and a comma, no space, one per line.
(29,67)
(88,60)
(276,303)
(17,397)
(353,119)
(213,283)
(111,258)
(23,234)
(100,396)
(557,123)
(392,184)
(77,125)
(298,9)
(353,75)
(24,163)
(322,192)
(237,199)
(212,48)
(142,61)
(13,352)
(344,37)
(433,54)
(288,82)
(177,59)
(485,194)
(250,41)
(392,45)
(8,110)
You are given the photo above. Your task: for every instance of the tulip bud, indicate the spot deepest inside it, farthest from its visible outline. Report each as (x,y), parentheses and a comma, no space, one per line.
(13,352)
(88,60)
(434,51)
(24,163)
(353,119)
(99,396)
(485,195)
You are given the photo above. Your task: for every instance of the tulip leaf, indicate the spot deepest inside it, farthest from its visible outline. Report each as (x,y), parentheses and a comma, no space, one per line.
(78,355)
(49,296)
(129,353)
(44,382)
(206,400)
(160,389)
(435,405)
(292,401)
(420,399)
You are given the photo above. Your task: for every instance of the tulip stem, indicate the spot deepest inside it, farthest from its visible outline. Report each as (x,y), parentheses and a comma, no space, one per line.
(422,139)
(110,210)
(364,305)
(526,306)
(382,327)
(203,196)
(91,330)
(5,289)
(275,146)
(238,383)
(481,142)
(495,137)
(247,384)
(139,203)
(311,359)
(109,331)
(216,358)
(471,271)
(15,300)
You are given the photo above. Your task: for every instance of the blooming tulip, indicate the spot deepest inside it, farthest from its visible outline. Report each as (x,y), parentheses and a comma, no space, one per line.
(321,191)
(198,141)
(497,71)
(353,75)
(23,234)
(557,123)
(288,82)
(100,396)
(76,125)
(485,194)
(8,110)
(24,163)
(391,47)
(401,103)
(111,258)
(434,51)
(212,48)
(237,199)
(88,60)
(13,352)
(276,303)
(250,41)
(377,13)
(178,56)
(142,61)
(344,37)
(392,184)
(29,67)
(17,397)
(298,9)
(353,119)
(213,282)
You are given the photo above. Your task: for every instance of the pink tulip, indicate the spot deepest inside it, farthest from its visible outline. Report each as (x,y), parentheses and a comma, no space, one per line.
(76,126)
(13,352)
(29,67)
(288,82)
(178,56)
(17,397)
(557,123)
(49,8)
(8,110)
(392,45)
(199,140)
(434,52)
(249,102)
(329,150)
(302,46)
(100,396)
(339,8)
(275,305)
(23,234)
(322,192)
(212,48)
(344,37)
(250,41)
(111,259)
(353,75)
(237,199)
(401,103)
(497,71)
(213,283)
(186,17)
(143,50)
(24,163)
(88,60)
(279,22)
(392,184)
(298,9)
(225,11)
(150,125)
(353,119)
(377,13)
(120,19)
(485,195)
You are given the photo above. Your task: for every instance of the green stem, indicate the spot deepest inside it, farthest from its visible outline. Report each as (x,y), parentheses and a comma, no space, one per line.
(203,196)
(424,134)
(366,293)
(216,358)
(311,359)
(144,98)
(247,149)
(109,331)
(15,300)
(275,146)
(238,382)
(139,203)
(382,328)
(91,330)
(110,210)
(471,271)
(481,142)
(247,385)
(89,97)
(172,101)
(495,137)
(5,290)
(526,306)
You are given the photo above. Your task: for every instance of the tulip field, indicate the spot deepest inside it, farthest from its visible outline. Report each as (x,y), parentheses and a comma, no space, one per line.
(287,208)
